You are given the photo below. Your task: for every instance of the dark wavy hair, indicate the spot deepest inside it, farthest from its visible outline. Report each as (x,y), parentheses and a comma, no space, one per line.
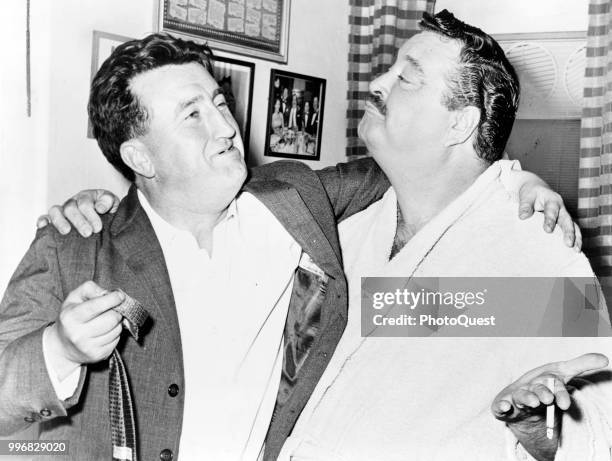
(484,79)
(115,113)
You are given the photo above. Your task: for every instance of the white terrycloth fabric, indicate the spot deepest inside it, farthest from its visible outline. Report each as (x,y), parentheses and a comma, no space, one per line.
(424,399)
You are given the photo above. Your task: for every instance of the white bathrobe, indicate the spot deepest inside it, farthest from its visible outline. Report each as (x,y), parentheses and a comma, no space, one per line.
(424,399)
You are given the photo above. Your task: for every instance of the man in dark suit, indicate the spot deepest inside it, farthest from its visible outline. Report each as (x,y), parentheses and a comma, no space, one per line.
(161,120)
(295,115)
(285,105)
(308,120)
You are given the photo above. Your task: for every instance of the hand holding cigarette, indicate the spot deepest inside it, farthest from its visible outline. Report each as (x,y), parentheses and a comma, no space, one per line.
(529,404)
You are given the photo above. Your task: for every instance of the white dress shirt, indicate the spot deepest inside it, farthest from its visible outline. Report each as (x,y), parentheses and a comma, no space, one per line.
(232,306)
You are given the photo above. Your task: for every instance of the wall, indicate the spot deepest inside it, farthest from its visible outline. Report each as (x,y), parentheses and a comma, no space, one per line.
(49,156)
(23,139)
(520,16)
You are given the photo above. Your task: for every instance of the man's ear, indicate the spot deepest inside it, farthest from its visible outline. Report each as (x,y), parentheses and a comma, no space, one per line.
(463,124)
(136,155)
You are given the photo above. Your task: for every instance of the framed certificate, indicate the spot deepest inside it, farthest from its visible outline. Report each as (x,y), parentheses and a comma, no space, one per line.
(254,28)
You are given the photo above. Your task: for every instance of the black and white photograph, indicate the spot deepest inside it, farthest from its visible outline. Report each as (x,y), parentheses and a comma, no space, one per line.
(295,116)
(306,231)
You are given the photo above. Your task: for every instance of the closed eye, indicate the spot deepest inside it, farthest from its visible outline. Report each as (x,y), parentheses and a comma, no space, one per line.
(401,78)
(194,114)
(409,83)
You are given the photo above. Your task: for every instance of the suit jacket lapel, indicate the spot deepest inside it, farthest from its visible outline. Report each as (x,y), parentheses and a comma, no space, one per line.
(286,204)
(135,240)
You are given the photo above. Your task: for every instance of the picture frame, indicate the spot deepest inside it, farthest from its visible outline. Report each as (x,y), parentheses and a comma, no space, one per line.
(103,44)
(236,79)
(294,131)
(253,28)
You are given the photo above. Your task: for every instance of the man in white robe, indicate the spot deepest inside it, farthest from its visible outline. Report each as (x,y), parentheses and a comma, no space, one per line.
(437,124)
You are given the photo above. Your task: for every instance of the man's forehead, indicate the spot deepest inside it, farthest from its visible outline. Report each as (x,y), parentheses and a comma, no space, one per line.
(426,48)
(174,80)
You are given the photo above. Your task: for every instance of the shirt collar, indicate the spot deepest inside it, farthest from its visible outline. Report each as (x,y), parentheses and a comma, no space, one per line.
(166,232)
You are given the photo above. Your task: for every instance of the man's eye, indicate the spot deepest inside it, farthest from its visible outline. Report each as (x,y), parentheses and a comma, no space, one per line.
(402,79)
(194,114)
(221,104)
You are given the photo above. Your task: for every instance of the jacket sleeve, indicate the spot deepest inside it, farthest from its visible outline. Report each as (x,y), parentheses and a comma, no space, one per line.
(353,186)
(31,302)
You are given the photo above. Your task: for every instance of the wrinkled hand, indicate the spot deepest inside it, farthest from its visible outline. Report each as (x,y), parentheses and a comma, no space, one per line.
(81,211)
(522,404)
(87,329)
(537,196)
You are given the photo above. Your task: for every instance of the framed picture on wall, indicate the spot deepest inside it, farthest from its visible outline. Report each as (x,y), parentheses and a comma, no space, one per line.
(295,116)
(236,80)
(254,28)
(103,44)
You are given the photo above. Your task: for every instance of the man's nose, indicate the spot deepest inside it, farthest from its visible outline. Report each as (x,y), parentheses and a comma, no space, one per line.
(223,127)
(381,85)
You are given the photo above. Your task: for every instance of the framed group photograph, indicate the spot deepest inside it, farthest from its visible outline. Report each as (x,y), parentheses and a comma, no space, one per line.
(236,80)
(254,28)
(295,116)
(103,44)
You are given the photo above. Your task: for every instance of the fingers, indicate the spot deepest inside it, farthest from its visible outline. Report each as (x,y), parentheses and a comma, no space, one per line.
(526,210)
(89,209)
(106,201)
(93,308)
(501,408)
(76,217)
(87,329)
(578,239)
(110,336)
(522,398)
(567,226)
(82,212)
(91,300)
(551,213)
(83,292)
(56,215)
(518,402)
(42,221)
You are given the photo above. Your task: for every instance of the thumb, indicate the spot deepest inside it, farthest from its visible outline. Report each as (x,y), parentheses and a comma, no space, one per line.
(84,292)
(586,363)
(105,202)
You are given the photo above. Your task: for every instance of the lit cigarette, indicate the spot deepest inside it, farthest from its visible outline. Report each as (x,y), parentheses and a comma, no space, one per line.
(550,411)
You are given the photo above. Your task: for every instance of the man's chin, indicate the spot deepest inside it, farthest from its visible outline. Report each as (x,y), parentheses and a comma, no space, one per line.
(364,131)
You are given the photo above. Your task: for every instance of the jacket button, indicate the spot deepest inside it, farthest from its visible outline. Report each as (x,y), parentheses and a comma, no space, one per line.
(166,455)
(173,390)
(45,412)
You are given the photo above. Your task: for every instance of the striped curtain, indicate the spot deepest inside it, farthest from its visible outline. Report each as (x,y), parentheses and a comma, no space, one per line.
(595,173)
(377,29)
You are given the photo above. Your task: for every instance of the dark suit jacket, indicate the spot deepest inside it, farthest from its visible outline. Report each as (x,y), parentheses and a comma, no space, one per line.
(127,255)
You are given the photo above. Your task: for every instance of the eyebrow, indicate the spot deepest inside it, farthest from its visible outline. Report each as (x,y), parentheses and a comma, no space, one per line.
(216,92)
(416,64)
(184,104)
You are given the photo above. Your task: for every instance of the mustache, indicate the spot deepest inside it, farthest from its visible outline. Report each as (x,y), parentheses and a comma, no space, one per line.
(378,103)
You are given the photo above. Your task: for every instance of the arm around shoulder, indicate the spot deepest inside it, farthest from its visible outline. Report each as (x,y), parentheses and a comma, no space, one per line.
(353,186)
